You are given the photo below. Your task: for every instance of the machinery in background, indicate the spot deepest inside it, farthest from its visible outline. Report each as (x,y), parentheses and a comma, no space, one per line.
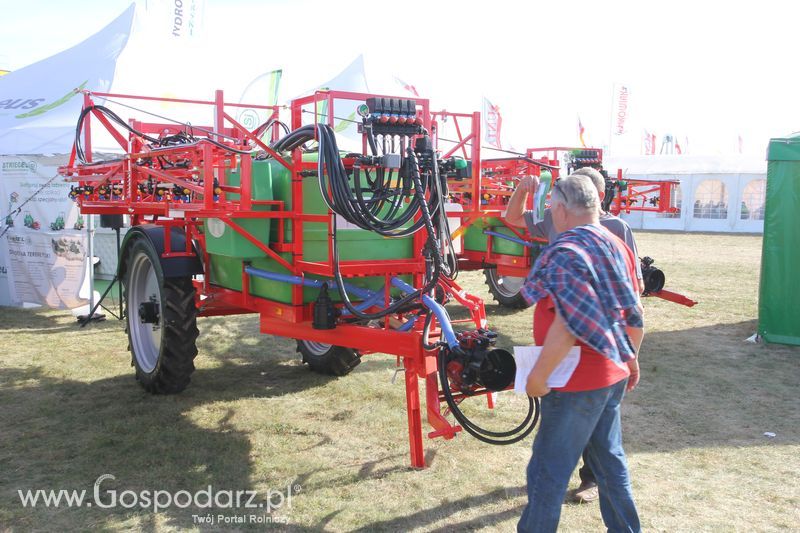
(506,253)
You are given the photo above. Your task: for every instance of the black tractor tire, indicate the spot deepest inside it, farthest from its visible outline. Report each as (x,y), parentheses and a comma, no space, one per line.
(328,359)
(505,297)
(162,350)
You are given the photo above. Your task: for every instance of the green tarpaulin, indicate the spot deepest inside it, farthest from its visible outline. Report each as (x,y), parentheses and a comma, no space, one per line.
(779,292)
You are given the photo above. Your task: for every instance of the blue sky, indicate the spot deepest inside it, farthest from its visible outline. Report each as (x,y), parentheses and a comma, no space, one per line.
(709,71)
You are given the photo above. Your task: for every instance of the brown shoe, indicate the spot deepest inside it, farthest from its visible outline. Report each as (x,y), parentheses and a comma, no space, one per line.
(586,493)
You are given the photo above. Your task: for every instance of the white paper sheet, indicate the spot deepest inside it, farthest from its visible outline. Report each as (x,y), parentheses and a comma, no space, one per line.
(526,357)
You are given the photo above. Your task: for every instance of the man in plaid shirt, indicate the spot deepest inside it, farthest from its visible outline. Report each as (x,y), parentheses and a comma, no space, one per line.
(584,288)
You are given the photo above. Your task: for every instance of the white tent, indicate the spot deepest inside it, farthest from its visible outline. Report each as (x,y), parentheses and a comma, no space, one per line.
(43,246)
(716,193)
(39,104)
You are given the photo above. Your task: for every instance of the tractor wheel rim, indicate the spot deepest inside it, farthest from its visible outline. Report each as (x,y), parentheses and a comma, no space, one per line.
(145,338)
(508,286)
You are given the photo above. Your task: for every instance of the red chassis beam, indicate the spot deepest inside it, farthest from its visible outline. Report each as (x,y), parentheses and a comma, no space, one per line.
(673,297)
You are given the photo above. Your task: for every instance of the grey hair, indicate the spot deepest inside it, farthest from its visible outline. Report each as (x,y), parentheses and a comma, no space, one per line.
(577,193)
(597,178)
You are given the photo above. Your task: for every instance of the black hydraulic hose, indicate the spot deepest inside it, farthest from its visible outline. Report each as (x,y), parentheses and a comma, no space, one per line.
(294,139)
(79,153)
(395,307)
(262,128)
(371,140)
(367,209)
(420,195)
(374,204)
(426,328)
(335,188)
(440,182)
(179,138)
(354,206)
(484,435)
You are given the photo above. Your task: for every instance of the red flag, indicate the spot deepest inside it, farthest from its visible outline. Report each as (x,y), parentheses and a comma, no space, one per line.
(407,86)
(678,147)
(581,131)
(492,123)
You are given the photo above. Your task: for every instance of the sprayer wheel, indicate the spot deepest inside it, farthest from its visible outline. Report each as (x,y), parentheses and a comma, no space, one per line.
(505,289)
(163,338)
(328,359)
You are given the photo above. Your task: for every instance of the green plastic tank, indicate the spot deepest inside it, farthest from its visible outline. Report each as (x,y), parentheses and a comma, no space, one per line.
(476,241)
(354,243)
(223,240)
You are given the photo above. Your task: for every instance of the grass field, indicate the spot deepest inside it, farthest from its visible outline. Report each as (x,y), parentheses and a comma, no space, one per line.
(255,419)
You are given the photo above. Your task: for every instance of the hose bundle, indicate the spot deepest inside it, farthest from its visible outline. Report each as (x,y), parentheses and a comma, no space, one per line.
(390,202)
(170,140)
(511,436)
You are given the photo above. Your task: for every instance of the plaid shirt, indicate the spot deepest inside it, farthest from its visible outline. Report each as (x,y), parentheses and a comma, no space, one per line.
(586,276)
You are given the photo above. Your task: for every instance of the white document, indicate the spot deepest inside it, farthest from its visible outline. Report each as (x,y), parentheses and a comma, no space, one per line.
(526,357)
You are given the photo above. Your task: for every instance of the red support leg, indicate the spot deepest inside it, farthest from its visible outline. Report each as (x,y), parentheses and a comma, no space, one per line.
(414,420)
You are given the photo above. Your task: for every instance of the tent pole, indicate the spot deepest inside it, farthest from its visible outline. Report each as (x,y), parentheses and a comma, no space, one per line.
(90,229)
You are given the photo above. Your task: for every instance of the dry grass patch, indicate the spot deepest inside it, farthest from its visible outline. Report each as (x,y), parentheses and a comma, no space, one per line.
(255,419)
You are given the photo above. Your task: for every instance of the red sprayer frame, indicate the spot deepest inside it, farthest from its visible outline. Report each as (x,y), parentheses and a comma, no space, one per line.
(196,190)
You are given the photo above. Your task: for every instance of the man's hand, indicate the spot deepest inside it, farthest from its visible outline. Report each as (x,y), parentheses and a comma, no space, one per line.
(515,211)
(536,386)
(633,380)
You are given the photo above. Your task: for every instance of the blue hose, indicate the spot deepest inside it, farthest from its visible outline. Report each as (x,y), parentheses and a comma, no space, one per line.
(362,293)
(510,238)
(438,310)
(408,325)
(370,298)
(375,299)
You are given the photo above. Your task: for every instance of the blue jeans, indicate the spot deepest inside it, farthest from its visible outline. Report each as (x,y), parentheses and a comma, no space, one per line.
(572,421)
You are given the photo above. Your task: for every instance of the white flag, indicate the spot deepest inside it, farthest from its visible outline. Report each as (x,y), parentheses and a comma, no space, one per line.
(492,124)
(345,119)
(262,90)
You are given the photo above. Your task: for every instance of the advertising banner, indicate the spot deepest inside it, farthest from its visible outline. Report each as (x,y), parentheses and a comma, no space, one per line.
(619,108)
(43,247)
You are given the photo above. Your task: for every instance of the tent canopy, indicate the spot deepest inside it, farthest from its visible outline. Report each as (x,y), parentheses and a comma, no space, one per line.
(687,164)
(40,103)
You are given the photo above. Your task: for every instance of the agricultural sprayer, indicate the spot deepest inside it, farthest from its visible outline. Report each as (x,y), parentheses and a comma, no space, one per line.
(348,252)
